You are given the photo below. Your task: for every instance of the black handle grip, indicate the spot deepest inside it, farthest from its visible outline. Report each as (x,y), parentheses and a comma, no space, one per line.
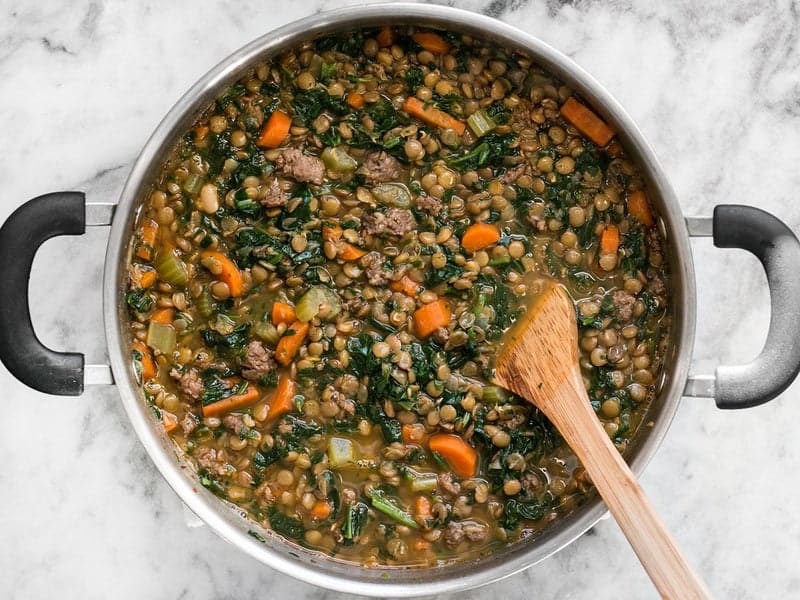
(778,249)
(35,365)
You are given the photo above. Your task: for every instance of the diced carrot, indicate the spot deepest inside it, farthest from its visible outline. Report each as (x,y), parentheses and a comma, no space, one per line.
(169,421)
(350,252)
(275,130)
(480,235)
(432,115)
(385,37)
(282,400)
(421,544)
(432,42)
(639,208)
(230,274)
(235,402)
(355,100)
(283,313)
(457,452)
(290,343)
(149,369)
(200,133)
(585,121)
(414,434)
(147,240)
(609,239)
(321,510)
(148,278)
(406,285)
(430,317)
(422,508)
(163,315)
(331,233)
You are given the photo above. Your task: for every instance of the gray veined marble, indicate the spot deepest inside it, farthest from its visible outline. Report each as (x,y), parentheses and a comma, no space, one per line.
(715,86)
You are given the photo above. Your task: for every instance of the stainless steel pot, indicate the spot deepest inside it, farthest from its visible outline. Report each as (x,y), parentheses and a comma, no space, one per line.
(67,213)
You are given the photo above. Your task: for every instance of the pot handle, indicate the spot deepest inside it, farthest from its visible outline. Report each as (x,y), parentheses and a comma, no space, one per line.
(28,227)
(778,249)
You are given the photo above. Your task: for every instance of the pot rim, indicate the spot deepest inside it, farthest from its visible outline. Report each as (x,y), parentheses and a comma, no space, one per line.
(283,556)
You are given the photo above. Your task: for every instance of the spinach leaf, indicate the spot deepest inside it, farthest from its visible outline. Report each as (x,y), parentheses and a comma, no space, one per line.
(236,339)
(354,522)
(285,525)
(139,300)
(491,152)
(308,105)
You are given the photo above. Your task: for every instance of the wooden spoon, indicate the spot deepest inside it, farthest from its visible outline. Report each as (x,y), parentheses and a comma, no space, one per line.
(539,362)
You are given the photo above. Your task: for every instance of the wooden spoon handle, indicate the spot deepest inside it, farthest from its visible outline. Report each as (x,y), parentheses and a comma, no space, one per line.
(669,570)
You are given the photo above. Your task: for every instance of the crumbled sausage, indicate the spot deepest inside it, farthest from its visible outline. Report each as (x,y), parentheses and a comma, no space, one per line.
(188,423)
(212,460)
(275,196)
(453,534)
(657,286)
(395,222)
(447,484)
(474,532)
(429,204)
(349,496)
(264,493)
(380,167)
(357,306)
(441,335)
(531,483)
(292,162)
(624,302)
(189,381)
(258,361)
(234,422)
(374,270)
(511,175)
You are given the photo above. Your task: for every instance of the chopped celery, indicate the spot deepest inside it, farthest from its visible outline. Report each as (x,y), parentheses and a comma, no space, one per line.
(266,331)
(494,395)
(389,508)
(341,452)
(423,482)
(319,301)
(192,184)
(480,123)
(171,268)
(205,303)
(161,337)
(338,160)
(392,194)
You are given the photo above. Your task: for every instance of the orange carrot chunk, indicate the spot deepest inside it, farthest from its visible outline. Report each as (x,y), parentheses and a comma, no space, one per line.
(430,317)
(147,279)
(290,343)
(231,403)
(169,421)
(282,400)
(331,233)
(639,208)
(432,42)
(275,130)
(479,235)
(283,313)
(163,315)
(385,37)
(609,240)
(350,252)
(321,510)
(406,285)
(355,100)
(229,275)
(149,369)
(200,133)
(422,508)
(458,453)
(432,115)
(414,434)
(585,121)
(147,239)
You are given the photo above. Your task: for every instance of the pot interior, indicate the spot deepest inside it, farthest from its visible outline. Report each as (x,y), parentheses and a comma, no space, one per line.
(230,521)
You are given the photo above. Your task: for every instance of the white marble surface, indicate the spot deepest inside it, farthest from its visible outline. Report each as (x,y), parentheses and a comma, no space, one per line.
(83,513)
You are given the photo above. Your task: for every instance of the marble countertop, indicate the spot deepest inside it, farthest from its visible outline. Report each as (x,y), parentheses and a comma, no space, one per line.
(713,85)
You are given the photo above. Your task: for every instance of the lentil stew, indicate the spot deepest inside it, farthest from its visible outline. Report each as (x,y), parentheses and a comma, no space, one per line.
(322,274)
